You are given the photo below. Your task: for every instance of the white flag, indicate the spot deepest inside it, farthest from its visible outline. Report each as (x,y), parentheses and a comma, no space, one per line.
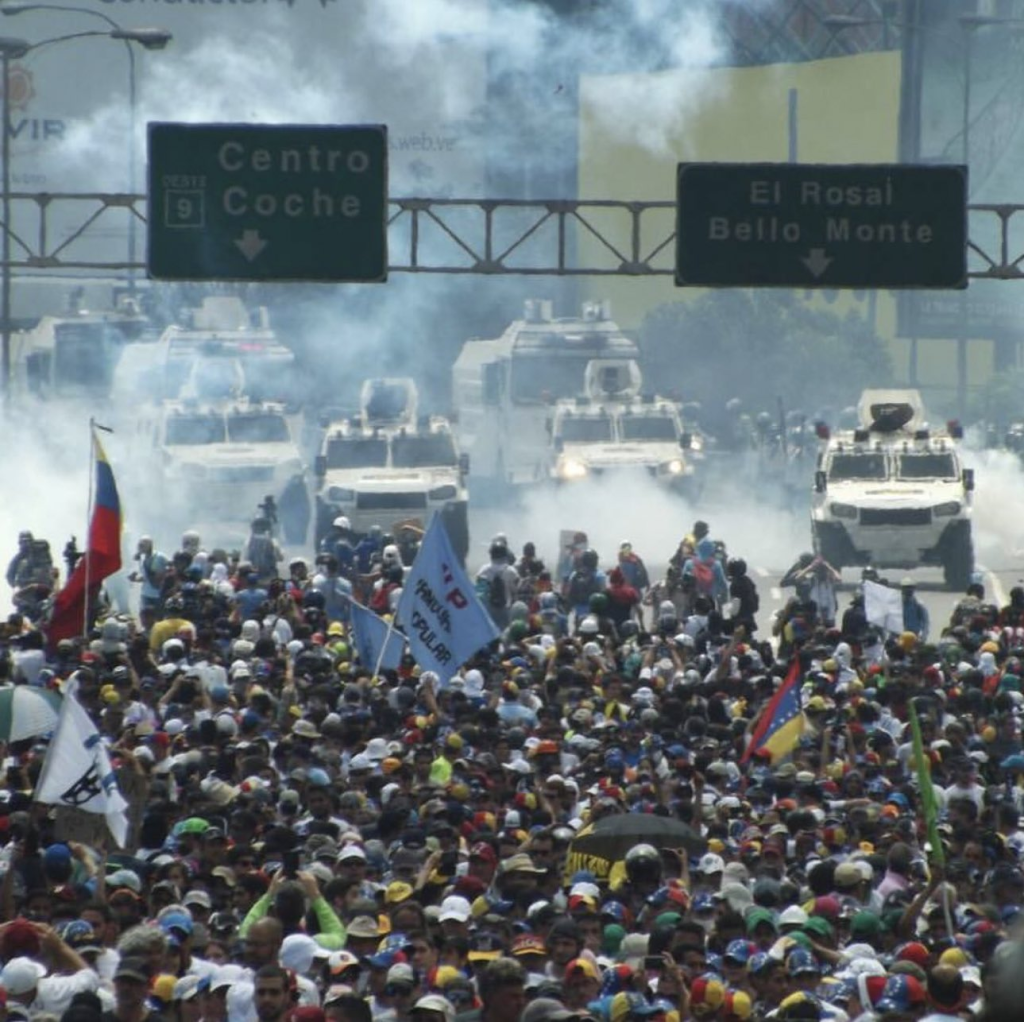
(883,607)
(77,772)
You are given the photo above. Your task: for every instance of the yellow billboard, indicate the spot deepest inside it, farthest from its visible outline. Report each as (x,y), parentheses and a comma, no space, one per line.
(842,110)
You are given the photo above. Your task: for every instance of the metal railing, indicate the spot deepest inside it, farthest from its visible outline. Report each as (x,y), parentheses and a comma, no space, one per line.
(73,231)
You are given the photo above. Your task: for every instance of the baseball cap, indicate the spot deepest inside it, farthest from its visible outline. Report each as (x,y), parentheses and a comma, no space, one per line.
(435,1002)
(485,947)
(737,951)
(132,968)
(546,1009)
(455,908)
(176,921)
(20,975)
(901,993)
(711,863)
(582,966)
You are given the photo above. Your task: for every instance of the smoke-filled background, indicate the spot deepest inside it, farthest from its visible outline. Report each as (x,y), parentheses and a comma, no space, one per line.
(482,98)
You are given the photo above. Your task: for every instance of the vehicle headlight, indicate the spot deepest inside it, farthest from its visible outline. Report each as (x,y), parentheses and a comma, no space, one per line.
(951,507)
(340,494)
(572,469)
(843,510)
(442,492)
(675,467)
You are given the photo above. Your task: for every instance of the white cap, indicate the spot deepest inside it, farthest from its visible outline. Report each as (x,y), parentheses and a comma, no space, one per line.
(793,916)
(198,897)
(455,907)
(435,1002)
(711,863)
(377,749)
(298,950)
(352,851)
(20,975)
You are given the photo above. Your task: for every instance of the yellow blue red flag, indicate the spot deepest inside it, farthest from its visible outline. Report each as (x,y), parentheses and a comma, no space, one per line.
(782,723)
(102,555)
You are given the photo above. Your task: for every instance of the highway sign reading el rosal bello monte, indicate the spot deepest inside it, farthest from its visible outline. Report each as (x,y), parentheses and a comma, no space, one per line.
(821,225)
(268,202)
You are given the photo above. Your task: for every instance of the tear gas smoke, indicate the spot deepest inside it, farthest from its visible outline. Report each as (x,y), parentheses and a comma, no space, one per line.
(613,510)
(998,497)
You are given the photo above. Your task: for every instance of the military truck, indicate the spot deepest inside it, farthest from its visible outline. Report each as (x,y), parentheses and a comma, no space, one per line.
(388,465)
(504,389)
(615,429)
(221,461)
(894,493)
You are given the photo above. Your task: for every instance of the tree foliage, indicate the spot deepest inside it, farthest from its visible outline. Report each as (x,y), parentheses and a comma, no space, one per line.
(759,346)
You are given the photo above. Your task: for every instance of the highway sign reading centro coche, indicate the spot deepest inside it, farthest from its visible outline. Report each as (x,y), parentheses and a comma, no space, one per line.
(821,225)
(267,202)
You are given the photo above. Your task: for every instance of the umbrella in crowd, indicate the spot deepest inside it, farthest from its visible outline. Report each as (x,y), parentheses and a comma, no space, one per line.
(27,712)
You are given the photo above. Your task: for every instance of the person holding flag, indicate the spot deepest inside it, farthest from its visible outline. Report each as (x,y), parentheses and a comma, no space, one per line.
(73,606)
(77,773)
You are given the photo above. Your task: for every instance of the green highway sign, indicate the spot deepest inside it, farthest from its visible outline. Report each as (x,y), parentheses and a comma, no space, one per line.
(268,202)
(821,225)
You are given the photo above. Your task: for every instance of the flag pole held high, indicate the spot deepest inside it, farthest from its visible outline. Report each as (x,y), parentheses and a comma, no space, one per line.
(102,556)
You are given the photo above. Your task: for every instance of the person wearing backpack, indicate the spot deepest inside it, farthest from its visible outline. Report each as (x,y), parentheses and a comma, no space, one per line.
(497,584)
(703,571)
(584,581)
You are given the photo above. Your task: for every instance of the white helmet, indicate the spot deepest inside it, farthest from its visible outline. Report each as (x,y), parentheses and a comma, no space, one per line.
(341,522)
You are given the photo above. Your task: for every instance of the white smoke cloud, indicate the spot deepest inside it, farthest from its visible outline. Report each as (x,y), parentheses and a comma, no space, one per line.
(611,511)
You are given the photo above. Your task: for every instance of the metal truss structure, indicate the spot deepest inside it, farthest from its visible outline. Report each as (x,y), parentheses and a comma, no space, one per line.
(789,31)
(75,232)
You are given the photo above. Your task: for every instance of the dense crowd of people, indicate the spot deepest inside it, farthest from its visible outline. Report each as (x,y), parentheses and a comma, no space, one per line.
(318,839)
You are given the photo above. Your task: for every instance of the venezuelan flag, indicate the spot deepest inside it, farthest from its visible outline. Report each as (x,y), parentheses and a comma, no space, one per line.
(782,723)
(102,556)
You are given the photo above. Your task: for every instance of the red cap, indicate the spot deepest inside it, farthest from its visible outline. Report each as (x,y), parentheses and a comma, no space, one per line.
(914,952)
(826,906)
(482,850)
(20,937)
(469,886)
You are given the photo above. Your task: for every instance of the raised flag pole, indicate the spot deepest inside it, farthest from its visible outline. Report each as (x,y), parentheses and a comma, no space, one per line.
(384,646)
(88,522)
(93,426)
(928,808)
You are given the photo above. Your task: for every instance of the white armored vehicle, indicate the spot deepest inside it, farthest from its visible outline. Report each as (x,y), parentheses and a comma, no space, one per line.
(220,351)
(221,462)
(503,389)
(894,493)
(390,465)
(613,428)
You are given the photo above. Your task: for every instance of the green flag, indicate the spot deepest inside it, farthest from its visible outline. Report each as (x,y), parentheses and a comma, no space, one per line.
(922,767)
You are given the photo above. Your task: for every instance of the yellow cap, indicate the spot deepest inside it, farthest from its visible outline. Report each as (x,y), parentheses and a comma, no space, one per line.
(398,891)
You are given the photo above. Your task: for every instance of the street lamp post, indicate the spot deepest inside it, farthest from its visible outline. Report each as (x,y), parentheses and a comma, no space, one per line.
(149,39)
(13,49)
(10,49)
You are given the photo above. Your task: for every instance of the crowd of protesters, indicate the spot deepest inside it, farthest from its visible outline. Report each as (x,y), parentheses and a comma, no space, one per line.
(318,841)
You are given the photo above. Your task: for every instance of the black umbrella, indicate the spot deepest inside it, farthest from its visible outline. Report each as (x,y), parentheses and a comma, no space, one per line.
(598,846)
